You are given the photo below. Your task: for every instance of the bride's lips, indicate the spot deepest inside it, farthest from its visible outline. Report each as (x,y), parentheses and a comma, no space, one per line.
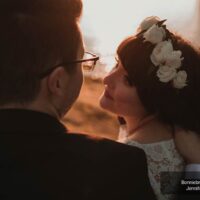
(107,95)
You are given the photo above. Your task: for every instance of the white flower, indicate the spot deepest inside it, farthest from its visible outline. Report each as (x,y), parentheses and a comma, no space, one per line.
(180,79)
(160,52)
(155,34)
(163,55)
(166,73)
(174,59)
(148,22)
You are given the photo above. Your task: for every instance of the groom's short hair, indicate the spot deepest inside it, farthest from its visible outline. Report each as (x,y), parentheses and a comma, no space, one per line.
(34,36)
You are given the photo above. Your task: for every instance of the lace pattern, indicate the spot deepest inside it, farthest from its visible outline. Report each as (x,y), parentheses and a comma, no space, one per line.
(161,157)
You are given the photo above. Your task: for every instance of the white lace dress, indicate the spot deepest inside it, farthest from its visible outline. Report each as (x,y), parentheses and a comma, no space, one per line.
(161,157)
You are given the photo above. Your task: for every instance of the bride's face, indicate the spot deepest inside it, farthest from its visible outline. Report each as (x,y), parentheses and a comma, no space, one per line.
(119,96)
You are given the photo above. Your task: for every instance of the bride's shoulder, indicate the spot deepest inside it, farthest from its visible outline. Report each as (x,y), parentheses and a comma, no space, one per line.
(148,135)
(152,140)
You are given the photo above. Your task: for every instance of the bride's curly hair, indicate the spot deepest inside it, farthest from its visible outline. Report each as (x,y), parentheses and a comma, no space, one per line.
(179,107)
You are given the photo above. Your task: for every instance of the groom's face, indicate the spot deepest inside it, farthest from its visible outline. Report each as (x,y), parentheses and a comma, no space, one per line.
(74,83)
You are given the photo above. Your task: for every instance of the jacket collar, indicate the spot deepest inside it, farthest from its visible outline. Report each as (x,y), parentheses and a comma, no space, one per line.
(28,122)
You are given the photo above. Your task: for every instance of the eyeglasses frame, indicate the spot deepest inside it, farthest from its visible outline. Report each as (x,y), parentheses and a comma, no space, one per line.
(95,59)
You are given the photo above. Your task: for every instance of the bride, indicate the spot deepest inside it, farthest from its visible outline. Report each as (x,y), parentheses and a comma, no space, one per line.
(154,89)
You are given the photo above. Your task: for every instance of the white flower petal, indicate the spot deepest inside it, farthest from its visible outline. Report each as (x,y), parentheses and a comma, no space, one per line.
(154,60)
(174,59)
(155,34)
(160,52)
(166,73)
(148,22)
(180,79)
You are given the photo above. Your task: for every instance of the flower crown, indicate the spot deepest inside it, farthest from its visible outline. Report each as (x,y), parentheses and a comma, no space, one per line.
(163,56)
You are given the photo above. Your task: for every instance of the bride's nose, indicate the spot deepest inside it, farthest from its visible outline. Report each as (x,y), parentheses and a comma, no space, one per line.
(109,80)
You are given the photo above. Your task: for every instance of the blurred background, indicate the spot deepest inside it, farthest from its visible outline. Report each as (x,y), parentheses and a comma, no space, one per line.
(105,23)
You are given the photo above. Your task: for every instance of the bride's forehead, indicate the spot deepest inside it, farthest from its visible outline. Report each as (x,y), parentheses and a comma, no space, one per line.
(119,64)
(121,68)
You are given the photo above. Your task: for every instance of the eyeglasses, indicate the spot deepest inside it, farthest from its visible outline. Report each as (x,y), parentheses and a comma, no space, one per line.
(89,61)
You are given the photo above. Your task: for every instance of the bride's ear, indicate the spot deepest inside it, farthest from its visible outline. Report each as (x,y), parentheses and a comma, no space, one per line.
(57,81)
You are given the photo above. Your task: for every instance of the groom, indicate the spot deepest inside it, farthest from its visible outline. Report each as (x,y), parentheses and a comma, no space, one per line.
(41,54)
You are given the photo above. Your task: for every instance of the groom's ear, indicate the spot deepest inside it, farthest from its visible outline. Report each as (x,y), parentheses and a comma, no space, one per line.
(57,81)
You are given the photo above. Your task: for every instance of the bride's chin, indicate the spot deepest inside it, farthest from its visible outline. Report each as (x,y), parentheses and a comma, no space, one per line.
(105,103)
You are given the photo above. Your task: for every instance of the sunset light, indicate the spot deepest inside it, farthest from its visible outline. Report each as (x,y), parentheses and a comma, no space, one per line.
(106,22)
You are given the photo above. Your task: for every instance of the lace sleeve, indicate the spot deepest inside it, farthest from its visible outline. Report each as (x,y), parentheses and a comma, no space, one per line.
(161,157)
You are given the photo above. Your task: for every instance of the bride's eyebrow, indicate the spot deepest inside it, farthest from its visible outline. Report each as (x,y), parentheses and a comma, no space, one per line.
(116,58)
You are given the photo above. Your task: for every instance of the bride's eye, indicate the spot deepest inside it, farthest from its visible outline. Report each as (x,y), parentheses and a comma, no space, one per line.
(116,62)
(116,65)
(116,59)
(127,80)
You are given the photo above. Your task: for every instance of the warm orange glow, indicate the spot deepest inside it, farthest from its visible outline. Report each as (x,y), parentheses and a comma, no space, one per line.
(110,21)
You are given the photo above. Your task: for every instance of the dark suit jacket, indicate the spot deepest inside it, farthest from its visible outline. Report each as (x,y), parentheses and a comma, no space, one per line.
(40,159)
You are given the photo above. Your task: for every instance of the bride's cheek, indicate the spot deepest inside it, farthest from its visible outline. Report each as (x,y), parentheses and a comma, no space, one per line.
(124,97)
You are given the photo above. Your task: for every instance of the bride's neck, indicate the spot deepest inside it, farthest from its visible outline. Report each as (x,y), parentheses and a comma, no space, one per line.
(134,123)
(148,129)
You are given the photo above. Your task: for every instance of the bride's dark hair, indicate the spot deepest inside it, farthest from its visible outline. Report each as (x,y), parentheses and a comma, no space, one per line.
(175,106)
